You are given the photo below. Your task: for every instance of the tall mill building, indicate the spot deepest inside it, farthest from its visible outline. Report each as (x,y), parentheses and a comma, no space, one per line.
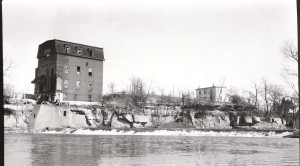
(69,71)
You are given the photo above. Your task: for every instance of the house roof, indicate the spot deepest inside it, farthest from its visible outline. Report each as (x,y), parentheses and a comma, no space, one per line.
(211,87)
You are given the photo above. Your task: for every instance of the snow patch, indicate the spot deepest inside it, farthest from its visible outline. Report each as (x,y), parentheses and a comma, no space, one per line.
(193,133)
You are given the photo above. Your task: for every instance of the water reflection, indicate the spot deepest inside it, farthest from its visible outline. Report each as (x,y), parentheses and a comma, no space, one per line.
(43,149)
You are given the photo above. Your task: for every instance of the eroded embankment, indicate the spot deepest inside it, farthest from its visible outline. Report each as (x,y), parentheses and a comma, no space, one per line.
(50,117)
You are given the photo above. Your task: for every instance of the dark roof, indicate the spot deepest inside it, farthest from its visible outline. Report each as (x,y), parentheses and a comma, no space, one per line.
(71,43)
(58,47)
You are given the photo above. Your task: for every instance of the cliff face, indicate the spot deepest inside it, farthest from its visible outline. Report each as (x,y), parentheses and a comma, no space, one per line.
(47,117)
(16,116)
(212,120)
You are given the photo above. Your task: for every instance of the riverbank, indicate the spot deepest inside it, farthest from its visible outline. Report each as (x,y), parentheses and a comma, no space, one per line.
(113,121)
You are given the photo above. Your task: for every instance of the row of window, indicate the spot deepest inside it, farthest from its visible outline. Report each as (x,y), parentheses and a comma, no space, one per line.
(75,97)
(90,70)
(204,91)
(79,50)
(66,82)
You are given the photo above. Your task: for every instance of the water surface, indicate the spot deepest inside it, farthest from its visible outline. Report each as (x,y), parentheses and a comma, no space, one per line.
(69,149)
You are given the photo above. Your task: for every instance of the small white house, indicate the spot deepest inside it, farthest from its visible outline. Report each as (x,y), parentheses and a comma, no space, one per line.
(212,94)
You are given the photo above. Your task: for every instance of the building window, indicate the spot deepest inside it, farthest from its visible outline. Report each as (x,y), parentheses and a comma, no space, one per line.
(91,53)
(78,70)
(65,113)
(90,97)
(52,71)
(79,51)
(33,115)
(53,81)
(199,92)
(66,82)
(90,72)
(77,84)
(86,64)
(67,49)
(47,52)
(204,91)
(66,68)
(90,86)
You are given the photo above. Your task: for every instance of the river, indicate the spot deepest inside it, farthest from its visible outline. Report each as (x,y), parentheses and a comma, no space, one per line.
(70,149)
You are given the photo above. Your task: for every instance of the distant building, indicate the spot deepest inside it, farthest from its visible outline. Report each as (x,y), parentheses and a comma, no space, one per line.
(211,94)
(69,71)
(23,96)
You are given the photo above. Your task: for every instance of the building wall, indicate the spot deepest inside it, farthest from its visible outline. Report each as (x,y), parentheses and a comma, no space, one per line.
(53,117)
(96,79)
(211,94)
(45,65)
(52,59)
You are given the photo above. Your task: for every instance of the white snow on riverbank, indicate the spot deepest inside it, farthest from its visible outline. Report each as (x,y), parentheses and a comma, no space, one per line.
(193,133)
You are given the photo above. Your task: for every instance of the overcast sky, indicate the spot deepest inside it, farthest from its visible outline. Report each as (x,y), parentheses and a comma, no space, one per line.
(172,42)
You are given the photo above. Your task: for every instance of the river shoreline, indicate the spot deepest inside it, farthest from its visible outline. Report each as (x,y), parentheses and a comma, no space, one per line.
(236,132)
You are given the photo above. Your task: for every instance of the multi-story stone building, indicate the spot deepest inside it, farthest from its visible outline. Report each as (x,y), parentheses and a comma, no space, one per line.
(69,71)
(212,94)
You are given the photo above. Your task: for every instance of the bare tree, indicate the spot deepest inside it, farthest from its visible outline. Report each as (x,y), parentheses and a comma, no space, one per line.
(231,91)
(275,97)
(253,95)
(7,66)
(112,87)
(290,52)
(8,90)
(265,94)
(161,90)
(222,86)
(186,97)
(139,91)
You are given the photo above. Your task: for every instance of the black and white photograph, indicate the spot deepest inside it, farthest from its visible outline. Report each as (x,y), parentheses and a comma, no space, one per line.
(150,82)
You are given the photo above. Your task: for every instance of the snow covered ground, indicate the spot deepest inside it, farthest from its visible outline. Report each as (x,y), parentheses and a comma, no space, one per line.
(193,133)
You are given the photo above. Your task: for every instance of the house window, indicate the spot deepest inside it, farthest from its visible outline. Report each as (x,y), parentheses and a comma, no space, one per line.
(90,86)
(66,82)
(77,84)
(79,51)
(78,70)
(90,72)
(65,113)
(66,68)
(90,97)
(91,53)
(67,49)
